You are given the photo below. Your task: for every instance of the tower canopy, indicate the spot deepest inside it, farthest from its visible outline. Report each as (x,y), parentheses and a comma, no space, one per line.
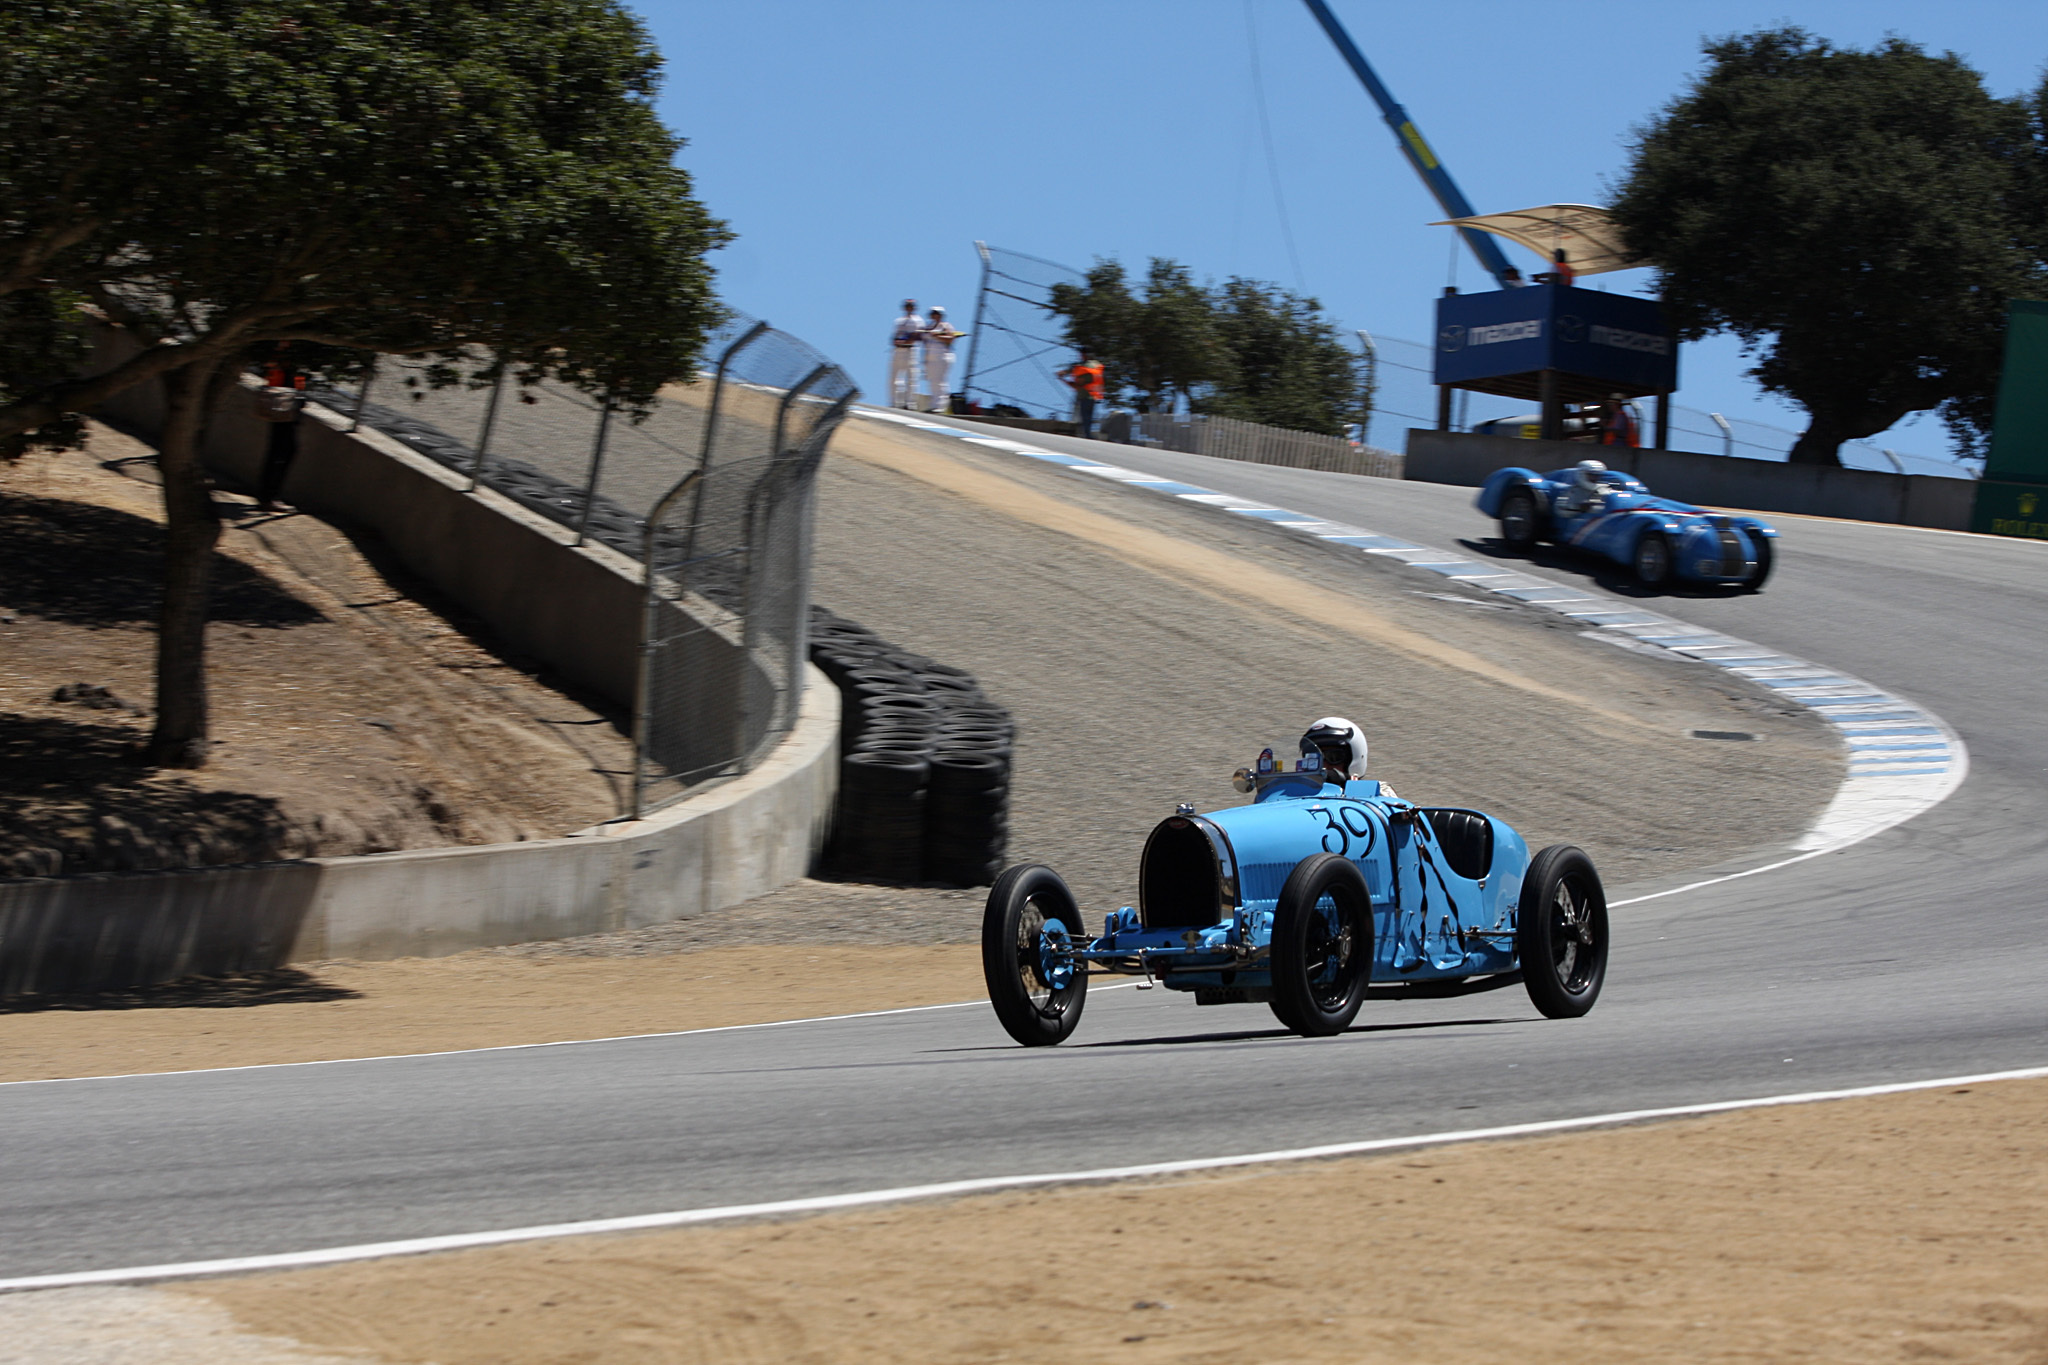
(1590,240)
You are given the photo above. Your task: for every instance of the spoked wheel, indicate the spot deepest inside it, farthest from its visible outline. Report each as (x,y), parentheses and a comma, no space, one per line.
(1518,522)
(1037,989)
(1764,556)
(1652,561)
(1561,932)
(1322,946)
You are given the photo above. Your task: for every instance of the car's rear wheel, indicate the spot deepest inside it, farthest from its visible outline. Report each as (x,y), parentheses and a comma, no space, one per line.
(1765,554)
(1322,946)
(1520,526)
(1037,991)
(1652,560)
(1561,932)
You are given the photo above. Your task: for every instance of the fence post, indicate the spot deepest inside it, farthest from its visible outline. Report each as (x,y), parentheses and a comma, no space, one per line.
(483,440)
(974,332)
(643,672)
(604,426)
(363,393)
(1368,391)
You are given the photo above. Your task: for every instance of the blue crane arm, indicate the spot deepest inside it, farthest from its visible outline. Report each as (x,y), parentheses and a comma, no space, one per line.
(1448,195)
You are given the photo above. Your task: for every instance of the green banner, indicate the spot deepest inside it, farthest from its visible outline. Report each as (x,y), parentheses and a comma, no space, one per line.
(2012,509)
(2013,499)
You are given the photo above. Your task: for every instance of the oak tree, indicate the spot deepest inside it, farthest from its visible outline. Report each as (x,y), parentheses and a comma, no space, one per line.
(1858,218)
(428,177)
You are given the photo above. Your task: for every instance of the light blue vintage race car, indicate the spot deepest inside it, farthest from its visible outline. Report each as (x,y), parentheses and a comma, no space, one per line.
(1618,518)
(1301,900)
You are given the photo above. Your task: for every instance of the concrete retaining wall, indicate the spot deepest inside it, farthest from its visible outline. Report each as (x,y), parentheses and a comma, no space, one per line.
(1711,480)
(740,839)
(575,607)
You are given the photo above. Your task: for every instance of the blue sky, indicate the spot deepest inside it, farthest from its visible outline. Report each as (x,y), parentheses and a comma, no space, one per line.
(859,147)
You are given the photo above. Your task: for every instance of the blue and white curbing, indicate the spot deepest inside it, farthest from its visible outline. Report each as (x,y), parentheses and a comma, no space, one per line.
(1903,759)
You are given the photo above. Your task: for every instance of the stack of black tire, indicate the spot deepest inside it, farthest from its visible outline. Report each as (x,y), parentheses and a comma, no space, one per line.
(924,767)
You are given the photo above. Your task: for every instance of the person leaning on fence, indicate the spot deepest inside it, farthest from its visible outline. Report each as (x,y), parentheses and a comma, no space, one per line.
(939,337)
(903,339)
(1084,377)
(279,403)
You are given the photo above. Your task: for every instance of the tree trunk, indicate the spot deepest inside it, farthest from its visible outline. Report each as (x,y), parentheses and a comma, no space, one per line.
(1820,443)
(192,527)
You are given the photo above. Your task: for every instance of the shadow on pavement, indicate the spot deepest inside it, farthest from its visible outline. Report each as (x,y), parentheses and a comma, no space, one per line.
(288,986)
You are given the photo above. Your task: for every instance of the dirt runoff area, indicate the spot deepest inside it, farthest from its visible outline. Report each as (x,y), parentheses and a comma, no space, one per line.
(1909,1228)
(352,711)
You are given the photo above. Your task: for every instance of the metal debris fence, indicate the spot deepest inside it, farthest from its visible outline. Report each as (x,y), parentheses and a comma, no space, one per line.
(711,493)
(1014,345)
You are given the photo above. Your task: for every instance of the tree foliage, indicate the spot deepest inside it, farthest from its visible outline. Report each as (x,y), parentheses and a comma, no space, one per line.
(1243,349)
(1288,369)
(1154,345)
(1858,218)
(349,176)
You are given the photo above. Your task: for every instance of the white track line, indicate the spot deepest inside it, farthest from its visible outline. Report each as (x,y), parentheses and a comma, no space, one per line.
(645,1222)
(1876,794)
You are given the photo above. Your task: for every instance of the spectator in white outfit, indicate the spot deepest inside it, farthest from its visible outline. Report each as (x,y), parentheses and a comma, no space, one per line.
(903,339)
(939,337)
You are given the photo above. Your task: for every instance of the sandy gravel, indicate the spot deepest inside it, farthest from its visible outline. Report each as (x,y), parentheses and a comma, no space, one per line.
(328,1010)
(1908,1229)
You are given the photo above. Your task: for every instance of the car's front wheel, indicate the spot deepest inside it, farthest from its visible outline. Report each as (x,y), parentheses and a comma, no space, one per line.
(1764,555)
(1519,524)
(1652,560)
(1322,946)
(1561,932)
(1037,990)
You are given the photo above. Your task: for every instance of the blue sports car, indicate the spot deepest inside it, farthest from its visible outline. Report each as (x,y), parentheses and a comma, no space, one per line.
(1611,514)
(1300,900)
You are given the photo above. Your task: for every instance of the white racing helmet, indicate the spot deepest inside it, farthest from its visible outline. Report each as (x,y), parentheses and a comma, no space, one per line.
(1341,744)
(1590,471)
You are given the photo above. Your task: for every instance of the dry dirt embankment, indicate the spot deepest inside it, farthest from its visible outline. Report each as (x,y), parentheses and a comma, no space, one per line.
(348,716)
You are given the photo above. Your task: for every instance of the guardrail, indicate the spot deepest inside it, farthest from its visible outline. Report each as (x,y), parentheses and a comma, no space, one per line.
(710,493)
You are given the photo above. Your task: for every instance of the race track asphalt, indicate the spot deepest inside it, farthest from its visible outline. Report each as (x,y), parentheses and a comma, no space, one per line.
(1910,955)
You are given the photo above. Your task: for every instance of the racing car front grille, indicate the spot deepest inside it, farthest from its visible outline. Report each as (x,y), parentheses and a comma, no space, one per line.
(1733,560)
(1187,878)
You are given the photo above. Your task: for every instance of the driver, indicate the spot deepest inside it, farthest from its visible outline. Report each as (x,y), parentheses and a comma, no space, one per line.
(1343,748)
(1585,492)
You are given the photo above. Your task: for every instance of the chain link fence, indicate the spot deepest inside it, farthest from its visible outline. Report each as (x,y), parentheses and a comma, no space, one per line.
(1406,398)
(710,494)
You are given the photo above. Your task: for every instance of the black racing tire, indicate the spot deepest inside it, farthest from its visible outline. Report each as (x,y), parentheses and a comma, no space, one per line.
(1766,555)
(1521,523)
(1652,559)
(958,771)
(1322,960)
(1561,932)
(1030,1008)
